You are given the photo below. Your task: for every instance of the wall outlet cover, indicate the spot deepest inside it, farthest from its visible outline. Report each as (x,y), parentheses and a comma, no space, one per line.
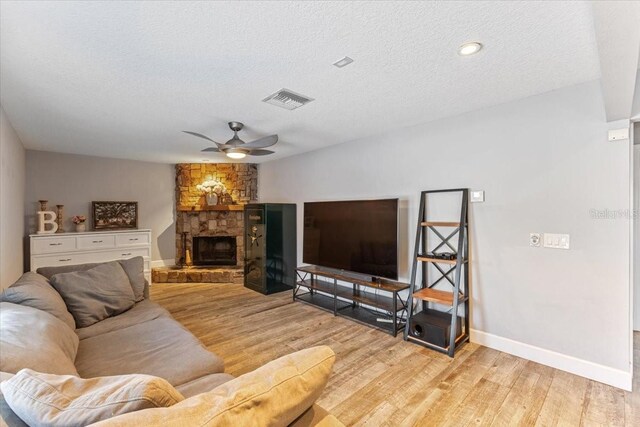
(534,240)
(477,196)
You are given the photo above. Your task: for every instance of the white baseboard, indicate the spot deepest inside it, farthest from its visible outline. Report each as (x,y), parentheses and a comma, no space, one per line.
(163,263)
(593,371)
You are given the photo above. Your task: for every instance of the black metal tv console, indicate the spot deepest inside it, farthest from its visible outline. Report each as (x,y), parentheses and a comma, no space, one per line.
(363,302)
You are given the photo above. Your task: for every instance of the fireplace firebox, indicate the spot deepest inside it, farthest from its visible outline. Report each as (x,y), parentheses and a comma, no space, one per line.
(214,250)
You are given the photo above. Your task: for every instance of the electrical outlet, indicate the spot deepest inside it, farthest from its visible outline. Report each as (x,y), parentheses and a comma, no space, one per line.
(534,240)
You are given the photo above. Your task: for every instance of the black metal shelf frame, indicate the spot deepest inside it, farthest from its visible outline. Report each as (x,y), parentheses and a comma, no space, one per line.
(353,303)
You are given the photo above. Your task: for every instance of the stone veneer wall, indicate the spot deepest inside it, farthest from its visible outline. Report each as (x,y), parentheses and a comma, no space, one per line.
(241,181)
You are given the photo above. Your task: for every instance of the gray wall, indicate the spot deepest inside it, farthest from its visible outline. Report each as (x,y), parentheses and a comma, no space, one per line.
(545,164)
(75,181)
(12,185)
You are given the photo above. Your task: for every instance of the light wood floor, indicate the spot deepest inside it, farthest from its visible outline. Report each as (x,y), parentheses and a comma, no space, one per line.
(381,380)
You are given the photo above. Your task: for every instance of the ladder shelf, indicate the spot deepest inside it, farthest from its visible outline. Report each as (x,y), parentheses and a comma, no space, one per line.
(433,238)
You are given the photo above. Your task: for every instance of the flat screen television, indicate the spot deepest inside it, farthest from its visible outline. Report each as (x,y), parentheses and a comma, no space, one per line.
(359,236)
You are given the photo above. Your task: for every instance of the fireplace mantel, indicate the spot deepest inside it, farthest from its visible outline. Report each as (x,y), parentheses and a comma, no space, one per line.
(210,208)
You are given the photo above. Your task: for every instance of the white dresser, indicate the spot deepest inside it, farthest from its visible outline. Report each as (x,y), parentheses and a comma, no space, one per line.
(49,250)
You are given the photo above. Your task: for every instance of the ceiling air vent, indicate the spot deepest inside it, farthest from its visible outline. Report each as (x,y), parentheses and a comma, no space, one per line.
(288,99)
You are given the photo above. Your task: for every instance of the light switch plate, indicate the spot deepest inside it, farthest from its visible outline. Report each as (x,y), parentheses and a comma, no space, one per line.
(477,196)
(557,241)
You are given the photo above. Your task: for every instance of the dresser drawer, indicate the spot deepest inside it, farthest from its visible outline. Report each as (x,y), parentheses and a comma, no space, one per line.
(122,253)
(47,245)
(125,253)
(132,239)
(99,241)
(57,260)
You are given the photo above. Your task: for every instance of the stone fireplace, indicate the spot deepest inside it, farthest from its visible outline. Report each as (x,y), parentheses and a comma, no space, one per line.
(210,232)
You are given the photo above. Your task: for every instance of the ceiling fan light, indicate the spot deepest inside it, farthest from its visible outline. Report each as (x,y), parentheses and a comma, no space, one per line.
(236,154)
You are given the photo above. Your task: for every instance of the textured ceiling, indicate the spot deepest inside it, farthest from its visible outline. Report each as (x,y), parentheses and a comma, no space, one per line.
(122,79)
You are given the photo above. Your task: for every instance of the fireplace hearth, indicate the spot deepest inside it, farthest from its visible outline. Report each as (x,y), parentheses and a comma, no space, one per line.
(214,250)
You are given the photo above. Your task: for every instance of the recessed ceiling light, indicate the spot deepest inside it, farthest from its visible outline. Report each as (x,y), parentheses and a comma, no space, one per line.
(343,62)
(469,48)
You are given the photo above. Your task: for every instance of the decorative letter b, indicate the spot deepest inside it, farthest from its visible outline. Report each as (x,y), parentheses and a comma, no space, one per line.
(43,221)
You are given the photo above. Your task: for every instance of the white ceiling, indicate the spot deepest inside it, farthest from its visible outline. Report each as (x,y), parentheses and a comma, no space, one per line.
(120,79)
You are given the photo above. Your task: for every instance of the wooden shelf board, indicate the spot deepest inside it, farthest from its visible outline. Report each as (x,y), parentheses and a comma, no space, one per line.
(211,208)
(437,296)
(440,224)
(383,284)
(436,260)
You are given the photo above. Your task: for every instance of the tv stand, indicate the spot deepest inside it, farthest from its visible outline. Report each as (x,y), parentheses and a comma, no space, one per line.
(362,303)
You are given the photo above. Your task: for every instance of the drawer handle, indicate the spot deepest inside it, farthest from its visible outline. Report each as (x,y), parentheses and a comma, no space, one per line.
(97,241)
(133,240)
(129,254)
(64,259)
(55,244)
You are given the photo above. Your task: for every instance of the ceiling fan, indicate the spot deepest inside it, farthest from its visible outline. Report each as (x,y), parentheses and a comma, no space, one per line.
(235,148)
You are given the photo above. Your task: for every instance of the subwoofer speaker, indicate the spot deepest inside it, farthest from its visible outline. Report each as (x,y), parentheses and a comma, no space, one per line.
(433,326)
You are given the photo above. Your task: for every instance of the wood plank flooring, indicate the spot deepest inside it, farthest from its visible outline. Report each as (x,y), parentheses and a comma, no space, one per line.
(379,380)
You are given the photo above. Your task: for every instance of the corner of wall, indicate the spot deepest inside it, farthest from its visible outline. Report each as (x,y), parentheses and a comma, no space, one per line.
(12,193)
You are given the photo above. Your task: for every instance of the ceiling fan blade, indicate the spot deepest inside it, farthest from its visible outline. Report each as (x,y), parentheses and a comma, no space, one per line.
(199,135)
(211,149)
(267,141)
(259,152)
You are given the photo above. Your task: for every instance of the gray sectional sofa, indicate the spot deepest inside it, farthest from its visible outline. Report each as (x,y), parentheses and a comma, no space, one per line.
(37,333)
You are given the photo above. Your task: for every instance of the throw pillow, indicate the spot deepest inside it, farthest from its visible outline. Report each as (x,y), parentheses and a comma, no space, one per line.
(32,338)
(275,394)
(35,291)
(133,267)
(63,400)
(95,294)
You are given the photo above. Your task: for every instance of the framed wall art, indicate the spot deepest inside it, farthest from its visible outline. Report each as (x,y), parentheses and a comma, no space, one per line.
(114,215)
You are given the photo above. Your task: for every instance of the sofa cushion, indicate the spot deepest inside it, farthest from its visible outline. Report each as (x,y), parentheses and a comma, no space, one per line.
(63,400)
(141,312)
(203,384)
(275,394)
(8,418)
(133,267)
(34,290)
(95,294)
(32,338)
(160,347)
